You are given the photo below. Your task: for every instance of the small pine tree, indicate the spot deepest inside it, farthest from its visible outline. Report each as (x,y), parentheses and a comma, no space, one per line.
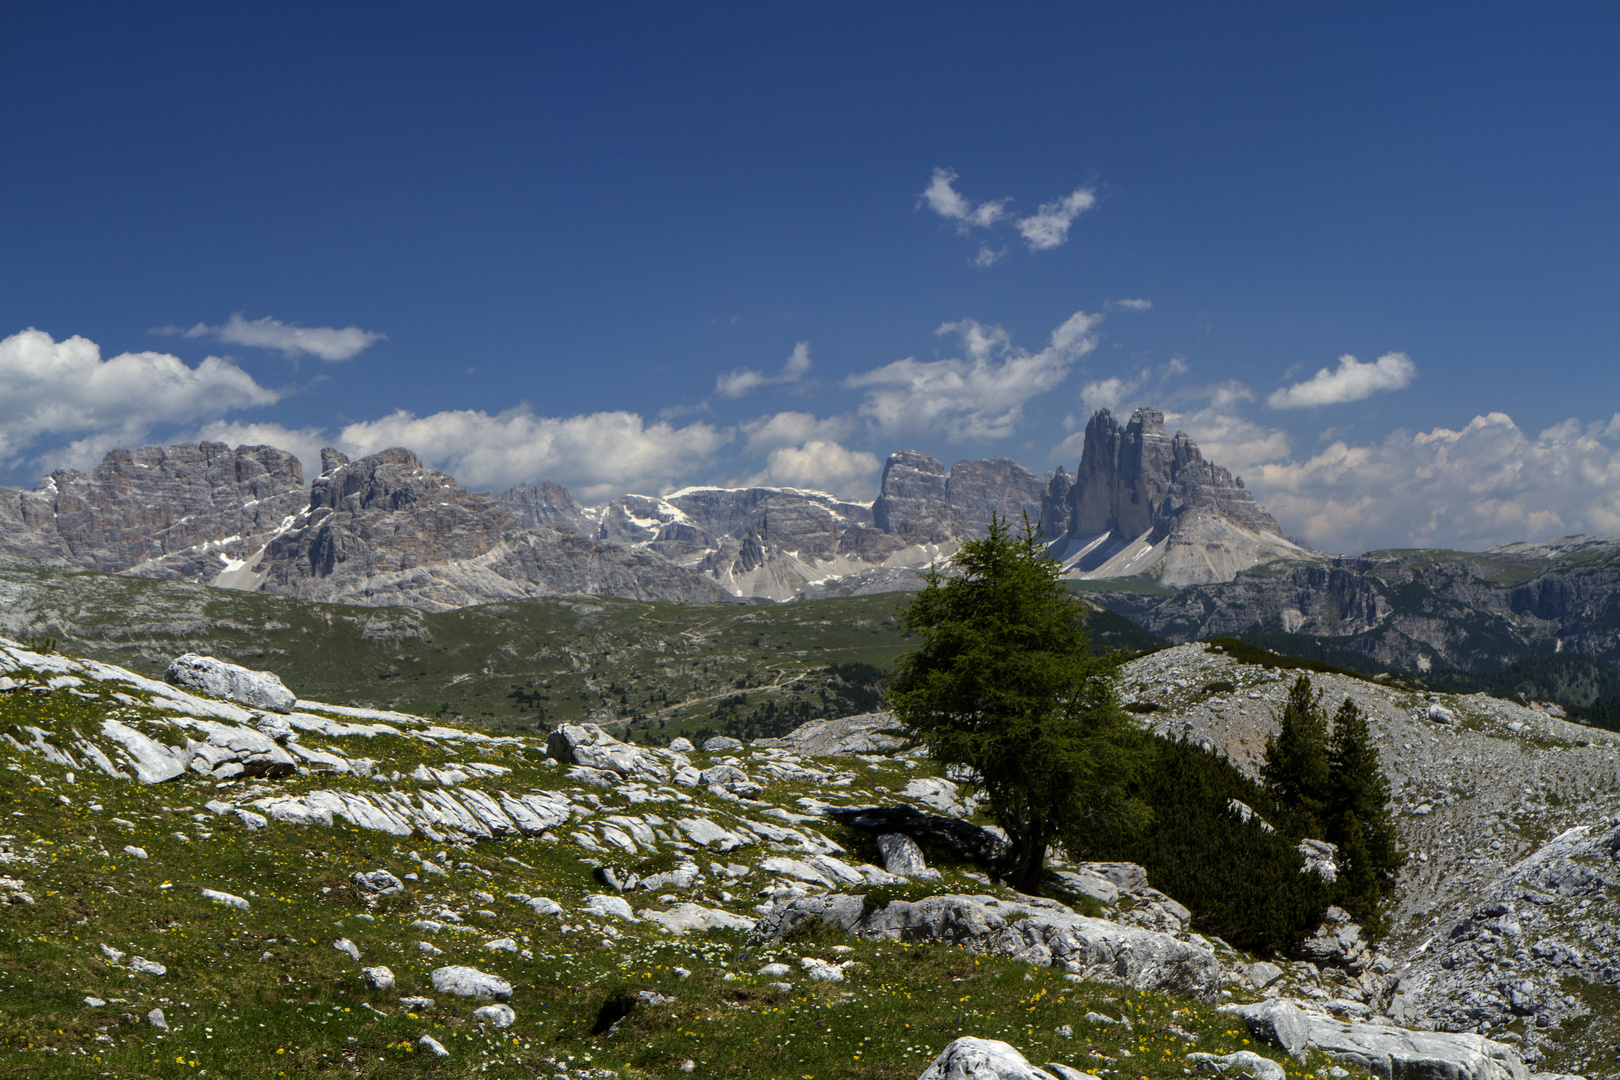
(1296,768)
(1359,820)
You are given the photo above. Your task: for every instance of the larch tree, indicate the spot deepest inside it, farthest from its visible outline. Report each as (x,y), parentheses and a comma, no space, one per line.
(1004,690)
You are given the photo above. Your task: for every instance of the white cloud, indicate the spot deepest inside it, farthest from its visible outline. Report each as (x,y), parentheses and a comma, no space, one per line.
(820,465)
(1351,382)
(1485,484)
(1130,305)
(64,389)
(943,199)
(781,429)
(1110,393)
(597,455)
(980,397)
(1048,227)
(741,381)
(1043,230)
(326,342)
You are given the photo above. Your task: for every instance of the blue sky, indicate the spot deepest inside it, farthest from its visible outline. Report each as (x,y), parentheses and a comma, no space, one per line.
(630,247)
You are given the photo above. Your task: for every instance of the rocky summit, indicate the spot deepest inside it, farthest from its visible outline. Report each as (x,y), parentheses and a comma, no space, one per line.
(337,883)
(1145,504)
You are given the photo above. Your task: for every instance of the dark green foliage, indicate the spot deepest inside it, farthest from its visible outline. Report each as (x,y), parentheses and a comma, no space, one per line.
(1240,882)
(1359,821)
(1004,684)
(1245,652)
(833,691)
(1296,768)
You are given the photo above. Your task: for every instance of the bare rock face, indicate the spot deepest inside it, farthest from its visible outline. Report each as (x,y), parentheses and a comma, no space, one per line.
(387,529)
(921,504)
(180,512)
(535,506)
(1143,503)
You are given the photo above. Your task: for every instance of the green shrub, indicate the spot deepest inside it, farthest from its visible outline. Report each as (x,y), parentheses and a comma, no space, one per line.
(1241,883)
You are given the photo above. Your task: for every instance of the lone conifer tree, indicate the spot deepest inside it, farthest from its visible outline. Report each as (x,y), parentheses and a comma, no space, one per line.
(1296,768)
(1359,820)
(1005,685)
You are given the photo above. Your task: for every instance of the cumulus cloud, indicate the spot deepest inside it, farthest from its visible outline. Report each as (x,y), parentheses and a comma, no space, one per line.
(820,465)
(943,199)
(596,455)
(980,396)
(1351,382)
(741,381)
(64,389)
(1048,227)
(1484,484)
(781,429)
(326,342)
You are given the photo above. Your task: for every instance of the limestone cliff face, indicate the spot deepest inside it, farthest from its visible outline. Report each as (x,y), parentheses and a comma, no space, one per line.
(535,506)
(1144,503)
(161,511)
(918,502)
(1426,610)
(389,530)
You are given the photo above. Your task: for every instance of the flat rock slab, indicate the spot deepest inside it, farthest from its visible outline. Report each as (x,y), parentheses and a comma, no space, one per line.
(686,917)
(256,689)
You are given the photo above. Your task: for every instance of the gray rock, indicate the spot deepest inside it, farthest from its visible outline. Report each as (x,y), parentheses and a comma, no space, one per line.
(969,1058)
(252,821)
(681,745)
(500,1016)
(257,689)
(94,1002)
(151,761)
(867,733)
(1068,1072)
(470,982)
(231,753)
(157,1020)
(720,742)
(416,1004)
(902,856)
(1242,1062)
(378,882)
(347,947)
(1422,1055)
(380,977)
(226,898)
(1262,974)
(682,918)
(147,967)
(1044,933)
(602,904)
(1279,1023)
(589,746)
(137,852)
(543,906)
(432,1046)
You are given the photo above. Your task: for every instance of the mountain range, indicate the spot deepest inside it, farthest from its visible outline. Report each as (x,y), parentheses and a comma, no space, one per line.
(387,529)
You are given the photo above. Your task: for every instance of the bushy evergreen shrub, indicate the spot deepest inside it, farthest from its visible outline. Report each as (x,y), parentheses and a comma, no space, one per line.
(1241,883)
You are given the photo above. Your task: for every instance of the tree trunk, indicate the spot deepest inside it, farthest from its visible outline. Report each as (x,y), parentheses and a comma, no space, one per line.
(1025,864)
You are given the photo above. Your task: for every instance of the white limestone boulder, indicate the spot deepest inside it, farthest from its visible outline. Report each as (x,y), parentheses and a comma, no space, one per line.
(255,689)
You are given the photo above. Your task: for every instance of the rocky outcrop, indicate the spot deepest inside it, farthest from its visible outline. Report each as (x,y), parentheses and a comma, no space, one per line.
(188,512)
(546,505)
(1429,611)
(256,689)
(1146,504)
(1040,932)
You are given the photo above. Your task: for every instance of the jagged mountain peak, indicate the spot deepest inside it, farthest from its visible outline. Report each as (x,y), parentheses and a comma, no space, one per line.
(1145,503)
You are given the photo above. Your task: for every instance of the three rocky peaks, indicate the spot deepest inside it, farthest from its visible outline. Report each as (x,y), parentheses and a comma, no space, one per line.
(387,529)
